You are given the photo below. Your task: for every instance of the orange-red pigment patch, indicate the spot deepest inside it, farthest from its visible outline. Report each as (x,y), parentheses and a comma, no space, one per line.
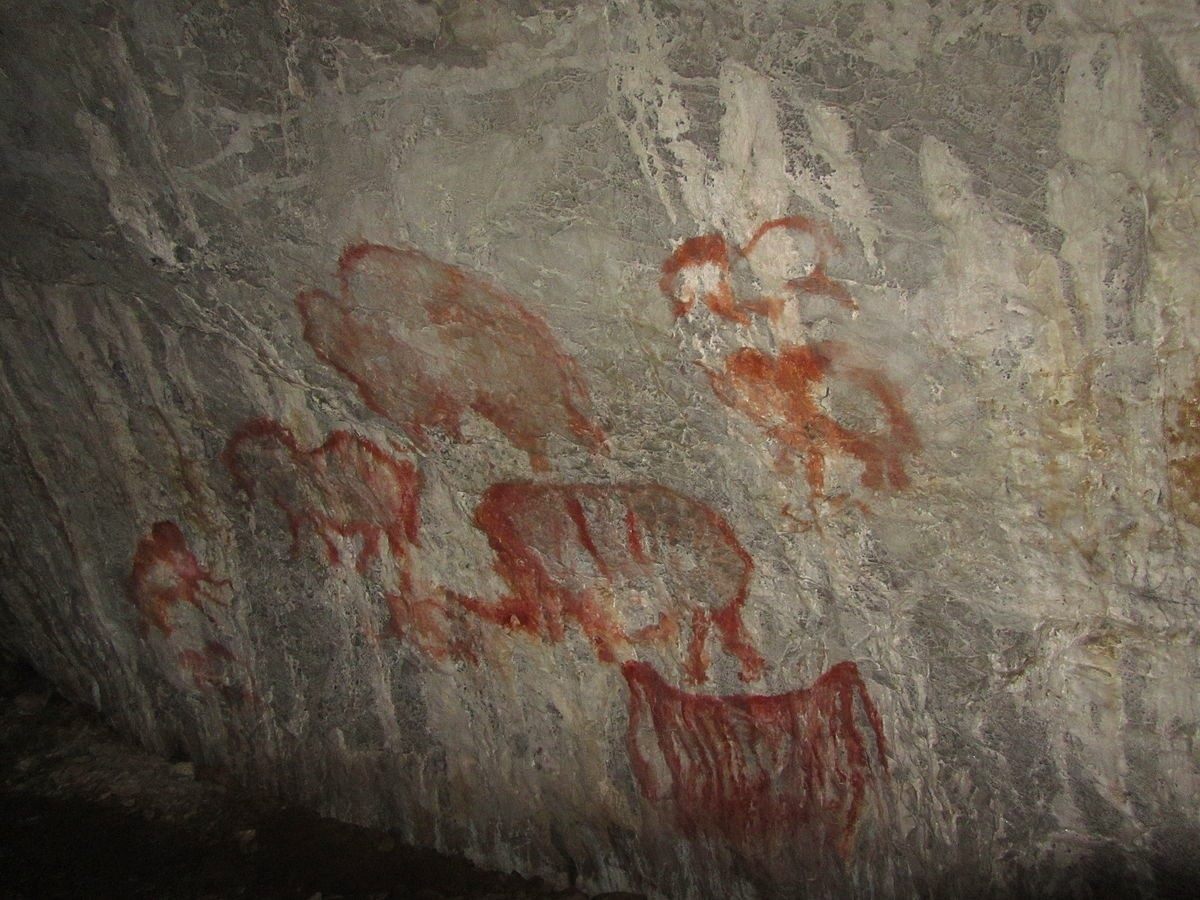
(424,342)
(702,268)
(213,668)
(770,774)
(633,564)
(778,393)
(346,488)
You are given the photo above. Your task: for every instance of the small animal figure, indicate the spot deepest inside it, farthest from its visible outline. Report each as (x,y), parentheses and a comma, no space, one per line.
(167,574)
(347,487)
(703,268)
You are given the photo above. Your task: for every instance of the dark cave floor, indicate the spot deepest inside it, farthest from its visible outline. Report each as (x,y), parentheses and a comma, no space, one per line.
(88,815)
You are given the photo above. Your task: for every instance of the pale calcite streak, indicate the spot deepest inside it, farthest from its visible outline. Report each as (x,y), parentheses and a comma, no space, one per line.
(844,191)
(750,179)
(639,80)
(129,202)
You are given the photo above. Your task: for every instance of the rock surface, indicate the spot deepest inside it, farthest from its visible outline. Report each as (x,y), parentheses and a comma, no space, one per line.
(88,815)
(696,448)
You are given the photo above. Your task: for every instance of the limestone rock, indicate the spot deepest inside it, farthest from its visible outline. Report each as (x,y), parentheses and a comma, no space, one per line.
(691,448)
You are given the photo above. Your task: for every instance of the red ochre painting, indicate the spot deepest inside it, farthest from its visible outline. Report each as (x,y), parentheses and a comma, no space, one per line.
(779,394)
(773,775)
(347,488)
(167,575)
(173,594)
(424,342)
(642,571)
(1183,447)
(631,564)
(702,268)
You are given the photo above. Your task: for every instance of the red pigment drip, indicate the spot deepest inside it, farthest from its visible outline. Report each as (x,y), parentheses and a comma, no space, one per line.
(713,250)
(769,774)
(347,487)
(776,393)
(423,342)
(167,573)
(574,553)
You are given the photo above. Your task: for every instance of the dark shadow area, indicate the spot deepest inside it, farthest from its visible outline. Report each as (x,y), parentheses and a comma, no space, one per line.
(88,815)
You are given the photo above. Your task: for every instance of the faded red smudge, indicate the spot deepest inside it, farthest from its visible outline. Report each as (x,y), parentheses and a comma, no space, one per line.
(629,564)
(424,342)
(430,624)
(702,268)
(166,573)
(214,668)
(347,487)
(777,394)
(770,774)
(706,250)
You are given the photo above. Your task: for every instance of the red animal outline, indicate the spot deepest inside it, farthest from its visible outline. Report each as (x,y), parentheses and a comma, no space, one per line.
(526,384)
(541,603)
(165,552)
(166,574)
(775,392)
(372,477)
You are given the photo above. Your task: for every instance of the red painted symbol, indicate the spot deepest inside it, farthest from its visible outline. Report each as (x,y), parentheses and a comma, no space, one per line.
(424,342)
(703,268)
(769,774)
(779,394)
(173,594)
(346,488)
(629,564)
(166,574)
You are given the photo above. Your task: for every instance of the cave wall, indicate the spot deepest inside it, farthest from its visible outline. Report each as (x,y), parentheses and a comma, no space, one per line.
(699,448)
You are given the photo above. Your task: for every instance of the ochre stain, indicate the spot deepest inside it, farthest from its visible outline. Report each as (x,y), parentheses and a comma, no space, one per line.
(347,487)
(693,254)
(702,268)
(777,394)
(166,573)
(423,342)
(769,774)
(1183,468)
(573,553)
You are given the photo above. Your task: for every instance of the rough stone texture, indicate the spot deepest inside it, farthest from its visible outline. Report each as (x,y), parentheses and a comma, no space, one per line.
(701,448)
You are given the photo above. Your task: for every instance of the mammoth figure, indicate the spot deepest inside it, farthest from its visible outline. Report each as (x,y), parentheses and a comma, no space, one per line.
(630,564)
(424,342)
